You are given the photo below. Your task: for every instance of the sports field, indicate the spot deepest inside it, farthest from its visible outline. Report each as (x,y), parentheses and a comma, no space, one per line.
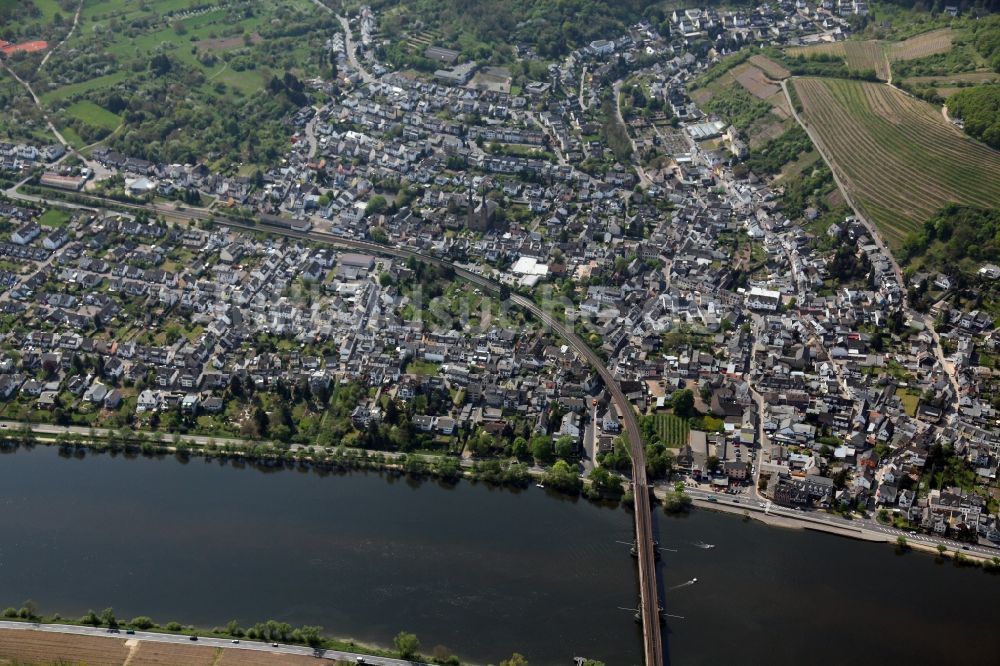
(896,155)
(29,47)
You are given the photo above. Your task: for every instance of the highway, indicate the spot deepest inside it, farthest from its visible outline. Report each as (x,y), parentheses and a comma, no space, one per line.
(182,639)
(650,603)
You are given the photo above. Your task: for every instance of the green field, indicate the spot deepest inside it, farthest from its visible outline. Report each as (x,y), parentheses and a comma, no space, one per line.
(422,368)
(50,8)
(54,217)
(98,83)
(94,115)
(672,430)
(898,158)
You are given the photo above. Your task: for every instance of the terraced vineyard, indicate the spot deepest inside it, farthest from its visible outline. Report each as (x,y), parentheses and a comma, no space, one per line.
(860,56)
(898,158)
(672,430)
(921,46)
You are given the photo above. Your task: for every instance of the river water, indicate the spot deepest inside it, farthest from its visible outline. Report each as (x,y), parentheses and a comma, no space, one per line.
(480,571)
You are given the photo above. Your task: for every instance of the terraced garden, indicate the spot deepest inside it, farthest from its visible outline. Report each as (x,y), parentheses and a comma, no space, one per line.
(898,158)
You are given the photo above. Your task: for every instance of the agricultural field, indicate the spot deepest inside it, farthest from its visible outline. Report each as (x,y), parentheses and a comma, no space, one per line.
(921,46)
(940,88)
(897,156)
(153,654)
(859,55)
(958,80)
(672,430)
(26,647)
(770,68)
(36,647)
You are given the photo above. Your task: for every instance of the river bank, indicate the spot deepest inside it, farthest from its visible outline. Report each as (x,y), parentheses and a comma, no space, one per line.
(415,467)
(470,570)
(986,562)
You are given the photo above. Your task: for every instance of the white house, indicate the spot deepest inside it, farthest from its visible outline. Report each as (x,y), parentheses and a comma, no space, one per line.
(148,401)
(763,299)
(27,233)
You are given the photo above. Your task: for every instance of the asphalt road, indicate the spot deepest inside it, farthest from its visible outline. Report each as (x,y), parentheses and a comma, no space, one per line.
(210,642)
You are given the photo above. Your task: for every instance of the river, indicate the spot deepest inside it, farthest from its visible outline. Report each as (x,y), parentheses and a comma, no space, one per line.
(483,572)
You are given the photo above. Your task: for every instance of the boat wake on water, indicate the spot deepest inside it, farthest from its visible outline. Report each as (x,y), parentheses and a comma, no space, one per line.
(702,544)
(690,582)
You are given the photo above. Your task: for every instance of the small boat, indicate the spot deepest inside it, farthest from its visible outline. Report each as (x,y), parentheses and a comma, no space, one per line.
(539,485)
(702,544)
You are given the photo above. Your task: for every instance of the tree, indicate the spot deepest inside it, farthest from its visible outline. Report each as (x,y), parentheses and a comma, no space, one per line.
(90,618)
(516,659)
(108,618)
(563,477)
(541,449)
(901,544)
(676,502)
(406,644)
(313,636)
(519,448)
(682,401)
(606,483)
(565,447)
(377,204)
(29,610)
(142,623)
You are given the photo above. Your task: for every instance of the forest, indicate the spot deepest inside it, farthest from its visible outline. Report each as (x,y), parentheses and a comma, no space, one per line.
(955,236)
(979,109)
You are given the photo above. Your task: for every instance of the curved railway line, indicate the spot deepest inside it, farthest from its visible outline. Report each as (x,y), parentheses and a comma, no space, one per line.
(650,610)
